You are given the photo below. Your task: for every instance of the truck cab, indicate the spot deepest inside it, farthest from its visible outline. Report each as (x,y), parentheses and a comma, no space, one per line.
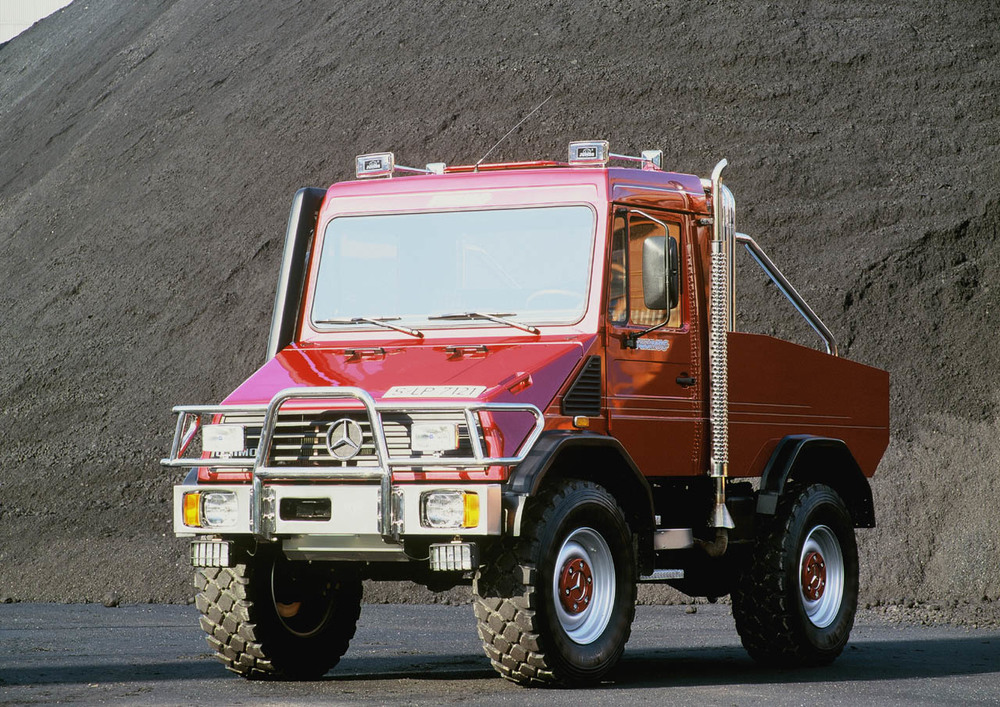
(525,377)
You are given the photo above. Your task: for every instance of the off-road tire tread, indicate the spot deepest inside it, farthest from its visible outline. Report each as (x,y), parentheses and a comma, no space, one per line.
(228,618)
(506,598)
(764,606)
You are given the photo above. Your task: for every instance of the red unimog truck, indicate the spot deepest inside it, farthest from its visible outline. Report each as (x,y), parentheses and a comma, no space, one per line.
(526,377)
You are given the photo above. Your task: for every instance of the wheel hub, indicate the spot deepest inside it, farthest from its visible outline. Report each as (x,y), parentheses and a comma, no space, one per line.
(302,597)
(813,576)
(287,610)
(576,586)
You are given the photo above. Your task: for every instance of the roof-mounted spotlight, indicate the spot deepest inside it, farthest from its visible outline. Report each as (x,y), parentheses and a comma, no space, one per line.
(383,164)
(376,164)
(652,159)
(596,153)
(589,153)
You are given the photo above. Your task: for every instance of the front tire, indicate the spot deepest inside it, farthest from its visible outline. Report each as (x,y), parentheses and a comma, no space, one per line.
(795,604)
(270,618)
(555,606)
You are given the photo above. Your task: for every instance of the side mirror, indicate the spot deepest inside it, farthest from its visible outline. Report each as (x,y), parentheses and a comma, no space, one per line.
(660,276)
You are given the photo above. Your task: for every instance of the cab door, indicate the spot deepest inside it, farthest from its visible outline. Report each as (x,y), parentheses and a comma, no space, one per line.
(653,390)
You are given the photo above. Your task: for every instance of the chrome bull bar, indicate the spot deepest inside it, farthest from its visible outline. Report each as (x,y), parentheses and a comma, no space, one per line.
(188,423)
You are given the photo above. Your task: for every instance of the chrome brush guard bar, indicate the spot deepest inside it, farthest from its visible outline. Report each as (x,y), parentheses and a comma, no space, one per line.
(188,422)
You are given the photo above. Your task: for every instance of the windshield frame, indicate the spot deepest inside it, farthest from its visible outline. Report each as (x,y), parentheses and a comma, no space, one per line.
(315,321)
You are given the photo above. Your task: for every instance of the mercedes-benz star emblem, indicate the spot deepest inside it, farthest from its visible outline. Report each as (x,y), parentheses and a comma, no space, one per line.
(343,439)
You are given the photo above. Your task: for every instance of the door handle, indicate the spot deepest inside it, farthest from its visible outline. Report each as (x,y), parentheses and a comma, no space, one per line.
(685,381)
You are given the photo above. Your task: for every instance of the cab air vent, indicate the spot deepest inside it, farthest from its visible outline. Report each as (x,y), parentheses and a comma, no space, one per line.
(584,395)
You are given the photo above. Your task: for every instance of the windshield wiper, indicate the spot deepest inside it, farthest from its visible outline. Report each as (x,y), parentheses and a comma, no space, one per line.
(380,321)
(499,318)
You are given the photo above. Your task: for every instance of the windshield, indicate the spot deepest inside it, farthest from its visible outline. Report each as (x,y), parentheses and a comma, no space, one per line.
(424,269)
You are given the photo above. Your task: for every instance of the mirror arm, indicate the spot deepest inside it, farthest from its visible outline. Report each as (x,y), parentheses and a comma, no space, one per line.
(666,229)
(630,339)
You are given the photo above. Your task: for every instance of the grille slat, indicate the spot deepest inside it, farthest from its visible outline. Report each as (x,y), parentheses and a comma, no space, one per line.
(584,395)
(299,439)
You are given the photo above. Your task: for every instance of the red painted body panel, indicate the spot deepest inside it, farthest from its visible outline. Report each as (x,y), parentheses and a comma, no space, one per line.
(777,388)
(415,364)
(660,422)
(512,370)
(675,192)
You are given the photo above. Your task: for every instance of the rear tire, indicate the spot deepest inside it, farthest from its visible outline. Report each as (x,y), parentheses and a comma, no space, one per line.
(270,618)
(795,604)
(555,606)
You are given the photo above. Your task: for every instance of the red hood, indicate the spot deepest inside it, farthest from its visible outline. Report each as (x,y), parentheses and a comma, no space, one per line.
(500,369)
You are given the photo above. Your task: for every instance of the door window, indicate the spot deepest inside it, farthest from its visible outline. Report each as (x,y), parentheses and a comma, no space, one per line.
(625,301)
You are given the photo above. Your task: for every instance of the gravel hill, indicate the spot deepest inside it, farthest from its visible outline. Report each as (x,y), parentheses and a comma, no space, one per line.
(150,152)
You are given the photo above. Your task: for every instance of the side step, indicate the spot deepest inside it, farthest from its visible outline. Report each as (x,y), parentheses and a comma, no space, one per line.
(669,539)
(662,576)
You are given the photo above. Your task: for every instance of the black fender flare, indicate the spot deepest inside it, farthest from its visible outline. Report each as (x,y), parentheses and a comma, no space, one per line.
(817,459)
(586,455)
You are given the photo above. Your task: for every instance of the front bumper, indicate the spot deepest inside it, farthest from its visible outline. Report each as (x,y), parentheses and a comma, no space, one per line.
(366,505)
(353,527)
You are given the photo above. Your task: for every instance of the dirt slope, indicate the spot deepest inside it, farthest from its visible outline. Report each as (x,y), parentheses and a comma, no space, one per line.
(150,151)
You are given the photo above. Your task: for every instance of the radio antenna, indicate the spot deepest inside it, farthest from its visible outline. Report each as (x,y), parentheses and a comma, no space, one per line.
(511,132)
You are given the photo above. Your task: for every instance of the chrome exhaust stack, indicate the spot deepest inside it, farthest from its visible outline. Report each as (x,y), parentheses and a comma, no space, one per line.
(722,300)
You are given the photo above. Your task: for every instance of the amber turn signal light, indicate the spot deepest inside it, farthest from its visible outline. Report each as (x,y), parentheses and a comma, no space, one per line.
(192,509)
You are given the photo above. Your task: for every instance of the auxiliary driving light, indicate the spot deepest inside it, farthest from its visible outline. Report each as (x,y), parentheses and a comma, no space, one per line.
(378,164)
(449,509)
(210,509)
(449,557)
(211,553)
(223,439)
(433,436)
(589,153)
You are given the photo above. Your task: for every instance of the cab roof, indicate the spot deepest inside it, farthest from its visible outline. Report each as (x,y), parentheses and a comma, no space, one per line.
(651,188)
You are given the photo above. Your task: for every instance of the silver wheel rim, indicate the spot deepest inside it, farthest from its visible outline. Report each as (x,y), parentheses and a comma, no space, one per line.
(821,576)
(585,623)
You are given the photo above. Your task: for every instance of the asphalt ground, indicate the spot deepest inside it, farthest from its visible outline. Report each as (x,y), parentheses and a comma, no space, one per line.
(423,654)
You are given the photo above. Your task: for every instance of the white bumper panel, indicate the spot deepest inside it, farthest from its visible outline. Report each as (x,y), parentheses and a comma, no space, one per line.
(354,510)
